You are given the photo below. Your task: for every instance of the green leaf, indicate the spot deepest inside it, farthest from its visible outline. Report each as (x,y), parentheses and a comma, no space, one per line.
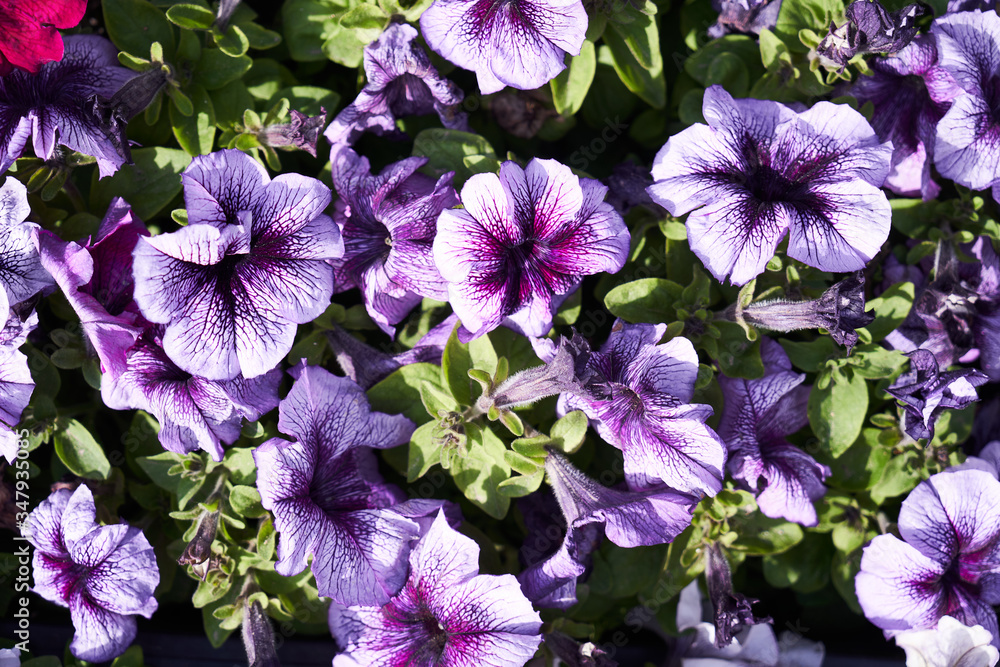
(367,22)
(307,99)
(760,535)
(861,466)
(480,473)
(649,84)
(843,570)
(148,185)
(809,356)
(815,15)
(646,300)
(522,485)
(622,573)
(569,89)
(424,451)
(726,61)
(875,362)
(900,475)
(130,658)
(133,26)
(737,356)
(436,400)
(260,38)
(458,358)
(215,69)
(195,132)
(805,568)
(158,468)
(229,103)
(246,502)
(191,17)
(446,150)
(569,432)
(79,452)
(232,42)
(399,393)
(837,412)
(304,25)
(891,308)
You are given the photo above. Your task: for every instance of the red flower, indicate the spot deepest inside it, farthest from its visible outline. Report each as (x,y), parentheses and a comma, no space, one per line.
(28,35)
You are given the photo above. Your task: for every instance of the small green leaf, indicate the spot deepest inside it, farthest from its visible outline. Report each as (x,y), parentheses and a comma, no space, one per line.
(569,432)
(215,69)
(569,89)
(195,132)
(646,300)
(809,356)
(479,474)
(760,535)
(424,451)
(837,412)
(191,17)
(399,393)
(900,475)
(246,502)
(445,151)
(522,485)
(804,568)
(232,42)
(436,400)
(891,308)
(648,83)
(512,422)
(79,451)
(367,22)
(133,26)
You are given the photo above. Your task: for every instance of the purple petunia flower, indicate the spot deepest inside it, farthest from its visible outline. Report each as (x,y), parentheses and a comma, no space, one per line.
(446,613)
(55,101)
(926,392)
(638,398)
(16,387)
(948,562)
(251,265)
(910,92)
(870,28)
(759,170)
(749,16)
(626,518)
(518,43)
(757,416)
(104,574)
(21,272)
(95,274)
(524,239)
(401,82)
(326,494)
(388,223)
(965,149)
(194,412)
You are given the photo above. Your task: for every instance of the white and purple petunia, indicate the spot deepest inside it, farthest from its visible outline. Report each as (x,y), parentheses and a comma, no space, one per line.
(16,387)
(517,43)
(252,264)
(967,147)
(388,223)
(949,644)
(638,397)
(51,107)
(948,562)
(445,614)
(95,275)
(104,574)
(627,518)
(760,170)
(326,494)
(757,416)
(401,82)
(194,412)
(524,240)
(910,93)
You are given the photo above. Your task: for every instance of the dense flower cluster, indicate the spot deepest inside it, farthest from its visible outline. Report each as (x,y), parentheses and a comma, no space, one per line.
(496,442)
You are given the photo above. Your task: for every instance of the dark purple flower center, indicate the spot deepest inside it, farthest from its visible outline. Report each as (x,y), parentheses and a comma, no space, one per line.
(410,616)
(765,182)
(408,95)
(337,487)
